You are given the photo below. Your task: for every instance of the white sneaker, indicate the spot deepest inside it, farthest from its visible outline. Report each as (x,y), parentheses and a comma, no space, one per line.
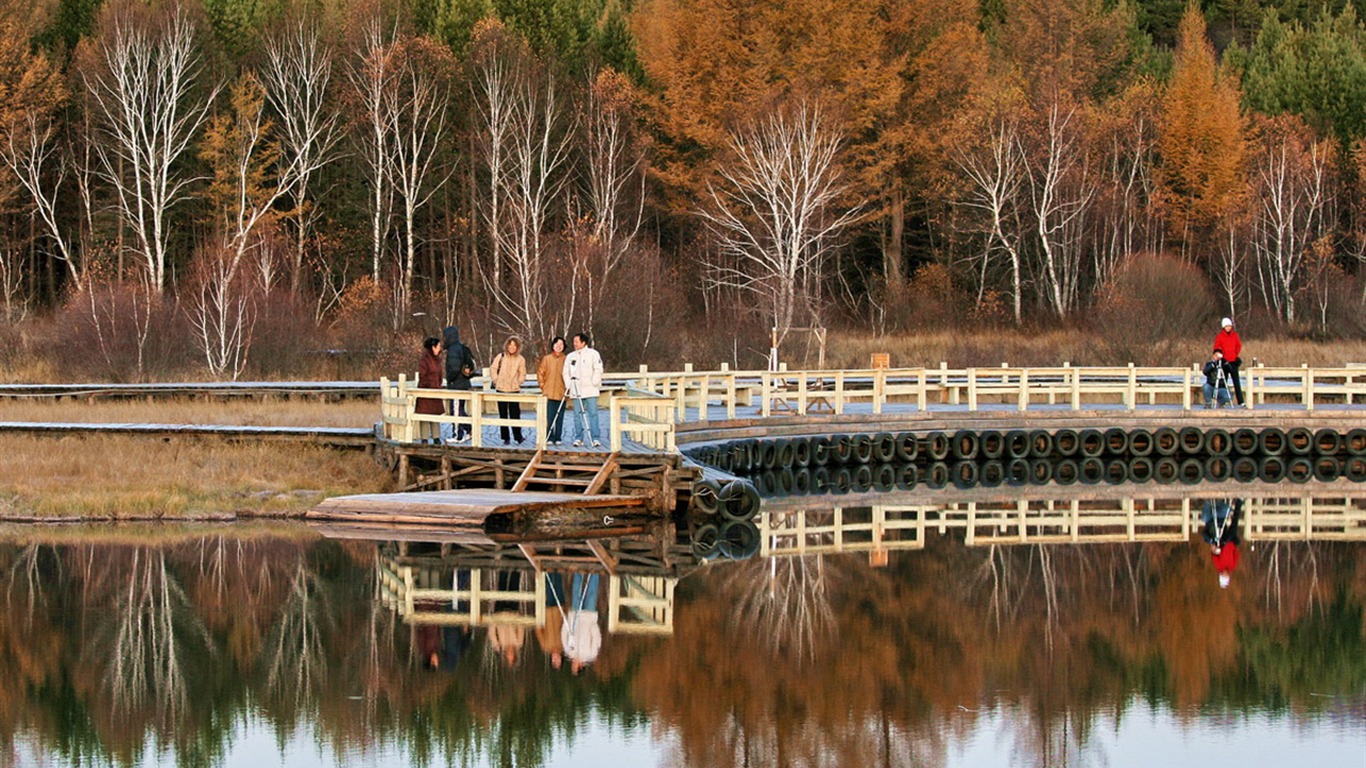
(578,443)
(596,444)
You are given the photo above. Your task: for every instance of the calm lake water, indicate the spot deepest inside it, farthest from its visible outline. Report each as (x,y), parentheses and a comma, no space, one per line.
(1002,632)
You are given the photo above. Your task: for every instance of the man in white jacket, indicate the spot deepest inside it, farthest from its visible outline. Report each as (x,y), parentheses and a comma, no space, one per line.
(583,381)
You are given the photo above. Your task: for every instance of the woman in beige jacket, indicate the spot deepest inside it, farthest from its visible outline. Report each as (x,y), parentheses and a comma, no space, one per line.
(550,375)
(508,372)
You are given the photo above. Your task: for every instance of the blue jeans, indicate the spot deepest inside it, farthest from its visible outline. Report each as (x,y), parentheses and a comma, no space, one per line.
(583,594)
(1210,395)
(587,411)
(554,420)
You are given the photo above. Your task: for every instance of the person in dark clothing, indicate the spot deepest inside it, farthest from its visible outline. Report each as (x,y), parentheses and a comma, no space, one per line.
(1221,520)
(429,377)
(1218,375)
(459,371)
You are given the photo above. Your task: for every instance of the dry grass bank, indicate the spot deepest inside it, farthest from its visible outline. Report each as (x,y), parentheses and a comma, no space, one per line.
(130,477)
(236,412)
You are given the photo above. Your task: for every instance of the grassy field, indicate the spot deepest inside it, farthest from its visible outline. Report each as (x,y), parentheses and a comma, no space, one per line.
(237,412)
(131,478)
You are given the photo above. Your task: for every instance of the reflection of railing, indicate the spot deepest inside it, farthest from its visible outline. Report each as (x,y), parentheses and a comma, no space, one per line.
(632,414)
(426,595)
(883,528)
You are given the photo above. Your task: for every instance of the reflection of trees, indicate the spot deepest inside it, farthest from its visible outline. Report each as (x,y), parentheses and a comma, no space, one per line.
(785,602)
(295,655)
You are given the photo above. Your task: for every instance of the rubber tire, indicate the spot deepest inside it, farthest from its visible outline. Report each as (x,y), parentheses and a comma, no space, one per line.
(936,475)
(841,480)
(906,476)
(862,479)
(706,497)
(1218,442)
(992,474)
(844,449)
(1271,441)
(993,444)
(1066,442)
(1116,471)
(1017,444)
(965,474)
(739,500)
(1116,442)
(1327,442)
(822,450)
(738,540)
(966,444)
(1017,472)
(801,452)
(703,540)
(1140,470)
(937,446)
(1299,470)
(1245,441)
(1040,444)
(884,478)
(768,454)
(1271,469)
(1327,469)
(863,449)
(787,453)
(1356,442)
(787,481)
(1355,469)
(1140,443)
(820,480)
(1091,470)
(1192,441)
(1166,470)
(1218,468)
(1090,443)
(1040,472)
(801,482)
(1066,472)
(1299,441)
(1244,469)
(884,448)
(1166,441)
(1191,471)
(907,447)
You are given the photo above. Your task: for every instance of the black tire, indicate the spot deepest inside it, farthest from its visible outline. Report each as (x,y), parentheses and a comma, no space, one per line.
(936,475)
(884,478)
(965,474)
(822,450)
(841,480)
(1066,442)
(906,476)
(1066,472)
(725,461)
(1166,470)
(787,453)
(1299,470)
(739,500)
(1271,441)
(1218,442)
(884,448)
(966,444)
(1327,469)
(765,483)
(862,479)
(738,540)
(1191,471)
(1271,469)
(1244,469)
(1140,442)
(703,541)
(787,481)
(1218,469)
(993,473)
(1299,441)
(1017,472)
(820,480)
(706,496)
(1140,470)
(937,446)
(1040,444)
(1192,441)
(1116,442)
(1116,471)
(801,482)
(1090,443)
(1017,444)
(1040,472)
(1327,442)
(1091,469)
(1166,442)
(1354,469)
(993,444)
(768,454)
(1245,442)
(801,452)
(844,449)
(863,449)
(907,447)
(1356,442)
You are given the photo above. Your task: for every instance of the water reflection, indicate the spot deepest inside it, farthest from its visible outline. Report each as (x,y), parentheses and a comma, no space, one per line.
(1033,631)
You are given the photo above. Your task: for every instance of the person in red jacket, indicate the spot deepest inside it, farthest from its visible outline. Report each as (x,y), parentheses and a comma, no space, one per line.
(1220,518)
(1227,342)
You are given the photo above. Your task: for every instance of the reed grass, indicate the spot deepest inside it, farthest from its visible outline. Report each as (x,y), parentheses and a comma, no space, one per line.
(180,410)
(117,476)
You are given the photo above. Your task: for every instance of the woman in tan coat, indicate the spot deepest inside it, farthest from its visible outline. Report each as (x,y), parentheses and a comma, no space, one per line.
(550,375)
(508,372)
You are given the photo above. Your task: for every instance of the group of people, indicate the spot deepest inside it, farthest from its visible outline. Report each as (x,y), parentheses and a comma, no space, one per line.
(1222,371)
(566,380)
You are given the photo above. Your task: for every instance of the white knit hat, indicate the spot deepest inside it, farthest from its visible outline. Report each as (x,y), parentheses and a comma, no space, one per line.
(1224,579)
(1226,322)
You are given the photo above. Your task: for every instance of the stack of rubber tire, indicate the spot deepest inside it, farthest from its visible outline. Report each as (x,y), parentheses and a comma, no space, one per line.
(837,464)
(723,521)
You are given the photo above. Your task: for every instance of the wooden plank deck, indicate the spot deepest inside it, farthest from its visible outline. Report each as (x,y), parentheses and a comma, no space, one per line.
(469,507)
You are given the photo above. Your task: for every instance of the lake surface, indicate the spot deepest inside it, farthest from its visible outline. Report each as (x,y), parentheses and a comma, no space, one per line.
(1076,631)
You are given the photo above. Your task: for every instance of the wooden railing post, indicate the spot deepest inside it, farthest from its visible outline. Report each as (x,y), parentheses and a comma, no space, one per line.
(972,389)
(879,389)
(921,385)
(476,407)
(839,392)
(1186,389)
(1132,394)
(730,392)
(1023,403)
(1308,386)
(766,391)
(541,422)
(614,423)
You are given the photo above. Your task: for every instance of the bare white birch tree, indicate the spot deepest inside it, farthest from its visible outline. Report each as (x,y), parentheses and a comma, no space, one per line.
(373,75)
(143,88)
(776,212)
(297,75)
(35,159)
(500,61)
(995,171)
(1061,191)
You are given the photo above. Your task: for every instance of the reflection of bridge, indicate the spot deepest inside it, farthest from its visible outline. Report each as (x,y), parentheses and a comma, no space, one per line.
(883,528)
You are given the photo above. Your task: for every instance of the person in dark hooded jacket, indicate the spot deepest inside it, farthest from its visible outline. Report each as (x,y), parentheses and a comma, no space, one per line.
(459,371)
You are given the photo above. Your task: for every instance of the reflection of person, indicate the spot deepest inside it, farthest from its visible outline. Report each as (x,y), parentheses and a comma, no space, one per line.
(583,380)
(459,369)
(1217,376)
(1221,519)
(429,376)
(507,640)
(1230,344)
(508,372)
(548,634)
(441,647)
(581,635)
(550,376)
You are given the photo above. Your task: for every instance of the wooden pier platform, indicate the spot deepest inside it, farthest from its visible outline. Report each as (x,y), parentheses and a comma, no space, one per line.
(471,507)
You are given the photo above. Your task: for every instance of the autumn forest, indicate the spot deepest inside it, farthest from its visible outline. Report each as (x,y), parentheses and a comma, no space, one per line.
(228,188)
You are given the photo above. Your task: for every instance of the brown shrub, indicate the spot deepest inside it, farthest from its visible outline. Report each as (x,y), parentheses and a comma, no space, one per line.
(1148,310)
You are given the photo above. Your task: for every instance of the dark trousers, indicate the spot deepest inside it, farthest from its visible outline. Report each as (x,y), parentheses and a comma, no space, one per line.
(1233,367)
(554,415)
(510,411)
(461,430)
